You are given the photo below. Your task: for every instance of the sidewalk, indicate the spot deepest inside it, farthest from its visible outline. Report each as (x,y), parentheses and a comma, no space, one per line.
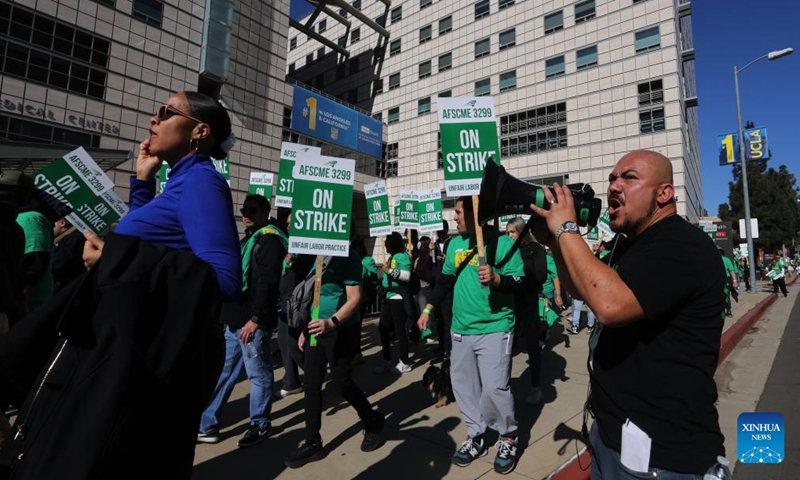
(421,438)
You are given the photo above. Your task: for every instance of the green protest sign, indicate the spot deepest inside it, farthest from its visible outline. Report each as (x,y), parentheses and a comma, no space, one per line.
(321,206)
(380,222)
(261,184)
(469,139)
(430,210)
(409,215)
(604,226)
(290,152)
(504,219)
(76,181)
(396,210)
(222,166)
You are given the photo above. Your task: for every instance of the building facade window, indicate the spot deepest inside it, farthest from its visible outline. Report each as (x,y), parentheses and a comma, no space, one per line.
(355,35)
(482,48)
(320,53)
(292,43)
(357,4)
(16,129)
(508,39)
(553,22)
(586,57)
(343,13)
(394,81)
(508,81)
(35,47)
(397,14)
(425,34)
(554,67)
(394,47)
(394,115)
(148,11)
(535,130)
(392,151)
(309,59)
(381,20)
(446,24)
(584,11)
(651,116)
(446,94)
(504,4)
(378,116)
(291,68)
(424,106)
(424,69)
(647,40)
(425,3)
(323,25)
(651,120)
(342,41)
(483,87)
(651,93)
(445,62)
(482,9)
(386,168)
(377,86)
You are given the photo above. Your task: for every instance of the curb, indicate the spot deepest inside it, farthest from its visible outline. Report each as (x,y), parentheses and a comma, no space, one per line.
(732,336)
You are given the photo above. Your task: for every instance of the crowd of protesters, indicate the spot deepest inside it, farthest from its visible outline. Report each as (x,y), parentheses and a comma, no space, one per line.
(185,306)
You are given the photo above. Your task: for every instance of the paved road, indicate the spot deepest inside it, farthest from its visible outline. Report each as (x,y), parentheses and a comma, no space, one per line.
(781,395)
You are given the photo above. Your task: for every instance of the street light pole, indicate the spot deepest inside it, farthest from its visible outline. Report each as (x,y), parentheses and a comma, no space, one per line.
(748,231)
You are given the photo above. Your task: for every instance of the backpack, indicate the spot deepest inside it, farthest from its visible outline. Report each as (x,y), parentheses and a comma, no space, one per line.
(298,310)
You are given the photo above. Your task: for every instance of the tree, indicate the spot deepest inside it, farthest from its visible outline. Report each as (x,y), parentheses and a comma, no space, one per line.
(773,201)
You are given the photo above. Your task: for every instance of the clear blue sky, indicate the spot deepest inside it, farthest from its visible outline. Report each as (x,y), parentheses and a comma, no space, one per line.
(728,33)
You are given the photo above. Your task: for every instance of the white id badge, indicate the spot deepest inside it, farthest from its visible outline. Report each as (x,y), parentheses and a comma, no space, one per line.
(635,450)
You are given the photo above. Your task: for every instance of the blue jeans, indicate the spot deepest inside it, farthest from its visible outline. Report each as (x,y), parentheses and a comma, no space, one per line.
(606,465)
(255,358)
(576,314)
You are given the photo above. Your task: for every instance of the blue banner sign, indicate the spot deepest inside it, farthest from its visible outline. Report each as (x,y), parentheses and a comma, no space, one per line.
(329,121)
(755,149)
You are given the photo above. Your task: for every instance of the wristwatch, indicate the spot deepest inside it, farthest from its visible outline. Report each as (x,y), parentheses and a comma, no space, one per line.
(335,321)
(567,227)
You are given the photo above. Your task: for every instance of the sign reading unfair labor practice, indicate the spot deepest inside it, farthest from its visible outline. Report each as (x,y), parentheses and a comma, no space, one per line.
(290,152)
(261,184)
(409,214)
(430,210)
(469,139)
(322,205)
(77,182)
(755,148)
(378,217)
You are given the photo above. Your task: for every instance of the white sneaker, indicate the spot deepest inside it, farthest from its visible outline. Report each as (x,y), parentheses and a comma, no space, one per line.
(293,391)
(402,367)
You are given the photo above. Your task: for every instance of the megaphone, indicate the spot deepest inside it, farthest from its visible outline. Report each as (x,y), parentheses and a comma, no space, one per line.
(503,194)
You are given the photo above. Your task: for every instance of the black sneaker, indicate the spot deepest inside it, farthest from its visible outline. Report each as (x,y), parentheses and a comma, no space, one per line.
(372,435)
(469,451)
(307,453)
(254,435)
(506,458)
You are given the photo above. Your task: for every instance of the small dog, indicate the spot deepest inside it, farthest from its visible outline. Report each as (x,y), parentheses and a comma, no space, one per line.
(437,382)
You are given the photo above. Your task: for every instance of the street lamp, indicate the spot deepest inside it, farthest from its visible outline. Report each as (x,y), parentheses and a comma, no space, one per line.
(750,253)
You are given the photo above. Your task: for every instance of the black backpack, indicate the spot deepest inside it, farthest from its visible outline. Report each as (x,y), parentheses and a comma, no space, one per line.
(298,311)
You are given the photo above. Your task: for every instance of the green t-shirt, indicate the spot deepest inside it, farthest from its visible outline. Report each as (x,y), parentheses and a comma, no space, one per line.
(341,271)
(549,288)
(728,266)
(478,310)
(368,269)
(399,261)
(39,238)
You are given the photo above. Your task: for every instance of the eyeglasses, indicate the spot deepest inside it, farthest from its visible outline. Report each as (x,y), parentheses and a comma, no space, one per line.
(166,111)
(248,211)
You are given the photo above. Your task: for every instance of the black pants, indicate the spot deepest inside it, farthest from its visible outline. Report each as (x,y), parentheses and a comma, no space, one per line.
(291,355)
(393,316)
(779,283)
(444,320)
(337,347)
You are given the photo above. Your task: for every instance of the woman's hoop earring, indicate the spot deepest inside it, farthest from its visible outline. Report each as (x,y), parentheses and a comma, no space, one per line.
(194,144)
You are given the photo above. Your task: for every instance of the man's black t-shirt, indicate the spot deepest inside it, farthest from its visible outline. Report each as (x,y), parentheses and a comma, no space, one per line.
(659,371)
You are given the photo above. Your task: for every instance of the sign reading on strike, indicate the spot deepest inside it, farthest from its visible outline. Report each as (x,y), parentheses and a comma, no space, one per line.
(409,215)
(290,152)
(77,182)
(322,205)
(396,208)
(469,139)
(261,184)
(380,222)
(430,210)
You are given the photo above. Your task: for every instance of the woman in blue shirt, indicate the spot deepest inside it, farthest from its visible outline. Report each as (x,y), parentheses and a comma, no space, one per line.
(195,210)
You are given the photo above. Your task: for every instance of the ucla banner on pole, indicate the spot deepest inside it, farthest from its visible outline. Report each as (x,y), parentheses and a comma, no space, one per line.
(378,216)
(77,182)
(756,146)
(322,206)
(261,184)
(430,210)
(290,152)
(468,129)
(409,215)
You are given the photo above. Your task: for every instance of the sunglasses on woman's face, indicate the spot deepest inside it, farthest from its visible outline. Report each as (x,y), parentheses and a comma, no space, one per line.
(166,111)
